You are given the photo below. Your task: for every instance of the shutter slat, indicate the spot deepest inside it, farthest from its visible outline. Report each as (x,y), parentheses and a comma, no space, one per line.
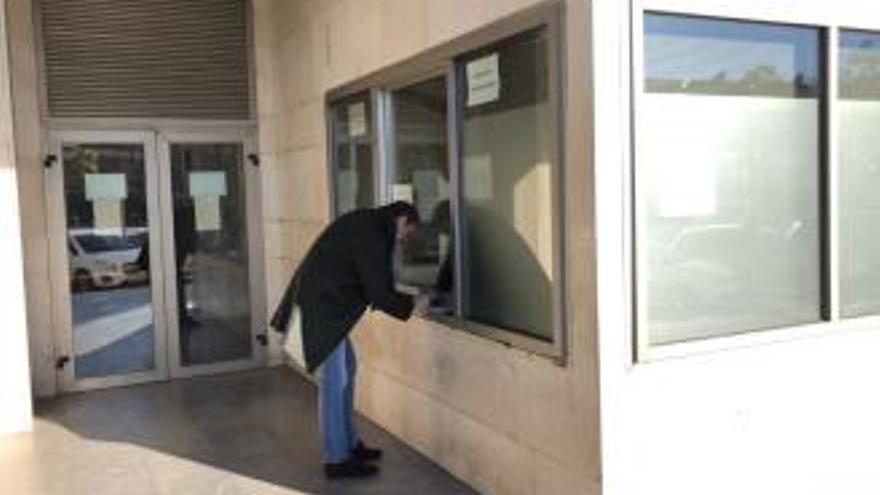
(147,58)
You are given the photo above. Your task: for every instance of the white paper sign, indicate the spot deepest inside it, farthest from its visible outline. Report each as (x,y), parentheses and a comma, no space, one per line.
(207,184)
(107,214)
(357,119)
(207,213)
(427,190)
(106,186)
(402,192)
(478,177)
(483,81)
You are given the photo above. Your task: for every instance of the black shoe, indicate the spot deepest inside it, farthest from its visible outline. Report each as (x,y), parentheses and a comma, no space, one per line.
(363,453)
(351,468)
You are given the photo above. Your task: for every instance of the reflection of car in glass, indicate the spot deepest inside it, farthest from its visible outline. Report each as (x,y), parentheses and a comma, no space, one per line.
(105,259)
(725,267)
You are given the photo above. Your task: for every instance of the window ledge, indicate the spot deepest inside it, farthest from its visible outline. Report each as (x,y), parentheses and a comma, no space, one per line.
(758,338)
(507,338)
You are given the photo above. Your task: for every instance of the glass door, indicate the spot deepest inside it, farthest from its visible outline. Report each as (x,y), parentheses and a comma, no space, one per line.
(209,205)
(104,211)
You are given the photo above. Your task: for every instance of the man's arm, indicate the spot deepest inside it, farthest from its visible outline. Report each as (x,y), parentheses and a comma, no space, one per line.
(374,268)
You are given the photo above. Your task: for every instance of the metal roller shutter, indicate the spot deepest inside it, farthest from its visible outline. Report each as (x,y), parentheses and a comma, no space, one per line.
(184,59)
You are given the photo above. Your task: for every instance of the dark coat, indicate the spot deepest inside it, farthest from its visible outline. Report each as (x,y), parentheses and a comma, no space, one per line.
(346,270)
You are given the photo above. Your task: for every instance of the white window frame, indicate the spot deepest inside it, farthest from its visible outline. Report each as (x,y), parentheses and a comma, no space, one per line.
(155,135)
(831,18)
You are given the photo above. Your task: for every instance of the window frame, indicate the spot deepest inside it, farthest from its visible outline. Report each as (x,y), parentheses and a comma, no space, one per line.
(443,61)
(830,21)
(333,175)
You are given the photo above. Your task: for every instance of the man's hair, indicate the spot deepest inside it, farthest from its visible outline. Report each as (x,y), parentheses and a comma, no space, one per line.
(404,209)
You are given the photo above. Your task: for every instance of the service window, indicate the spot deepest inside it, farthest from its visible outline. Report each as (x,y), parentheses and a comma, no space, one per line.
(470,135)
(352,153)
(419,174)
(508,163)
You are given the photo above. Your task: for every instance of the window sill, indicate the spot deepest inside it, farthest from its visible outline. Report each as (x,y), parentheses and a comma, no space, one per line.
(757,338)
(508,338)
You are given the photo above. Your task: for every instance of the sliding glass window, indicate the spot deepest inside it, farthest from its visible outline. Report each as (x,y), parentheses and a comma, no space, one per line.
(352,153)
(419,163)
(728,177)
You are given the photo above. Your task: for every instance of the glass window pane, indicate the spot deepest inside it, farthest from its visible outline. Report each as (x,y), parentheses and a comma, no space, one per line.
(211,253)
(859,113)
(109,259)
(508,151)
(352,136)
(729,163)
(421,176)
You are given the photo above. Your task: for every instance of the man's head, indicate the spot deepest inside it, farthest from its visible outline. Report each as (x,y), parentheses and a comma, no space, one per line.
(406,220)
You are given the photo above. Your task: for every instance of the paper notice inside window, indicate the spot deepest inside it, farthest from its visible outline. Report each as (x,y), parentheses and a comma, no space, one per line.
(208,214)
(478,177)
(483,80)
(106,186)
(357,119)
(207,184)
(107,214)
(402,192)
(207,188)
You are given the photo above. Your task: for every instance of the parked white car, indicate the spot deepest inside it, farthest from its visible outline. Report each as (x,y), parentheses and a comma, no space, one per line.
(105,259)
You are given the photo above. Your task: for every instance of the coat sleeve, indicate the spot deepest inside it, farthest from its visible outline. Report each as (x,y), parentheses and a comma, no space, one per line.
(281,316)
(374,268)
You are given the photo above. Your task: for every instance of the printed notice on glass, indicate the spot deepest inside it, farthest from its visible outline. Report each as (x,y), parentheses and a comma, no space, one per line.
(208,214)
(478,177)
(207,188)
(357,119)
(402,192)
(106,186)
(107,214)
(483,81)
(207,184)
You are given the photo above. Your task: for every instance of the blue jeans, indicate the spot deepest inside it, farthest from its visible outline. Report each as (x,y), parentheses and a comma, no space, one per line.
(336,403)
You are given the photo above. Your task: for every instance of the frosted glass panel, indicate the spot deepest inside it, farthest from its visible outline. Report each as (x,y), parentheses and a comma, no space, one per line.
(729,165)
(859,113)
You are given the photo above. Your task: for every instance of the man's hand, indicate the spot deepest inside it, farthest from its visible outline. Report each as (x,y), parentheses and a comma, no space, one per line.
(420,305)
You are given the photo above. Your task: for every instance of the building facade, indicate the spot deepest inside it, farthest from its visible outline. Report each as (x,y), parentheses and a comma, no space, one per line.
(648,224)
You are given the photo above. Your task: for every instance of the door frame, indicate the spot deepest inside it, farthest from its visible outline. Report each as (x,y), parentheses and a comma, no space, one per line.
(256,274)
(156,137)
(59,261)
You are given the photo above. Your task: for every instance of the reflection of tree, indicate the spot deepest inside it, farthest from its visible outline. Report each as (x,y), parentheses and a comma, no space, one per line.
(758,80)
(860,70)
(761,74)
(85,160)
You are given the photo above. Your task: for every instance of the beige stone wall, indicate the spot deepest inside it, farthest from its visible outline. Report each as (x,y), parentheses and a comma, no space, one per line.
(29,152)
(15,393)
(504,420)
